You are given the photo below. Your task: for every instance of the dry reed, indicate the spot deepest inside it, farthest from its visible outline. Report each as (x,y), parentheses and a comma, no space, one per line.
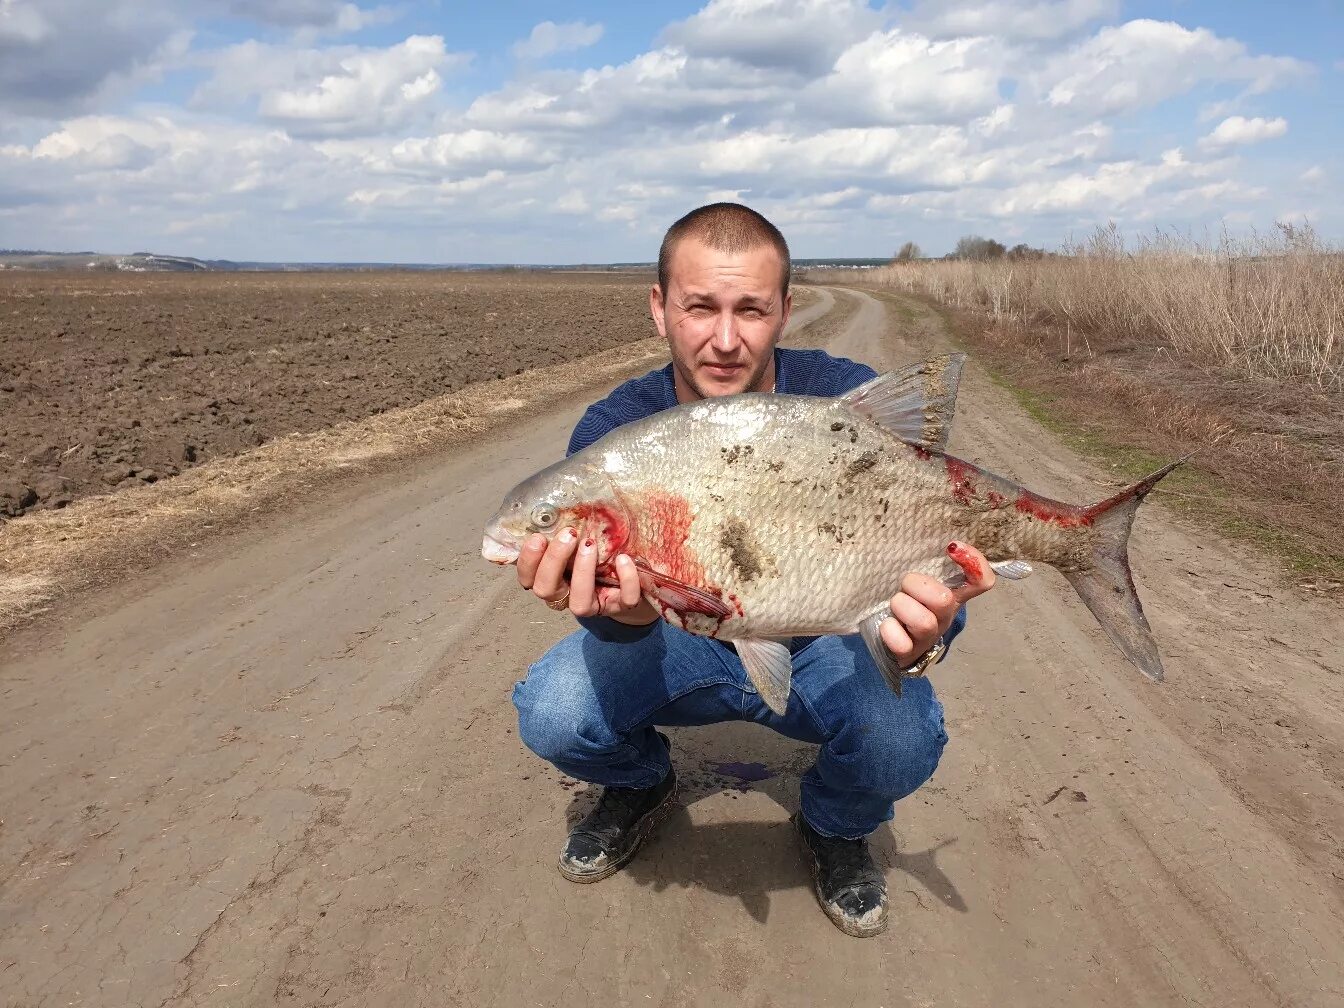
(1267,306)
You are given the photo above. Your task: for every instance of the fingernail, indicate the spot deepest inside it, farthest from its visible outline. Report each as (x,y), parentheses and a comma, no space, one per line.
(588,544)
(953,546)
(567,535)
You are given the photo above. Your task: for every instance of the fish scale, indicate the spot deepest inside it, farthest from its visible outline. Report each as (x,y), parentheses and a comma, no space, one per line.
(757,517)
(802,525)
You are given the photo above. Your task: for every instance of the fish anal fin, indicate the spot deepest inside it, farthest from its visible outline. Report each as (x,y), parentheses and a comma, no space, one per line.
(770,668)
(916,404)
(869,630)
(679,596)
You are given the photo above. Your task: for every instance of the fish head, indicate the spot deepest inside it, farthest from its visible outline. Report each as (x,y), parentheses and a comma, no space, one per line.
(573,493)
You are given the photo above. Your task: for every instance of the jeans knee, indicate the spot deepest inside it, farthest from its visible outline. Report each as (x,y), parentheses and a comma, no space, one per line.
(899,745)
(558,714)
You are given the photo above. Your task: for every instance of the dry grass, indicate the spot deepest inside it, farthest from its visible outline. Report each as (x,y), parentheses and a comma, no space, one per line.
(49,553)
(1234,349)
(1268,307)
(1270,462)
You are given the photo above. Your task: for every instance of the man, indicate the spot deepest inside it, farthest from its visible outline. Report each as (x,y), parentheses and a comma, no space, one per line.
(591,705)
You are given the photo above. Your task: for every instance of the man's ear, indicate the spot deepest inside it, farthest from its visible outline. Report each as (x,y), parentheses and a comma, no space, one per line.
(657,308)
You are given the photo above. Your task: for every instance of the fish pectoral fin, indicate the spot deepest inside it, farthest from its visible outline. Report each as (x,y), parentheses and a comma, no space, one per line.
(770,668)
(916,405)
(1012,570)
(869,630)
(678,595)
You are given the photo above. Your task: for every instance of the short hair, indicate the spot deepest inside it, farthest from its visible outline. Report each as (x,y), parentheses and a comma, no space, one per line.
(726,227)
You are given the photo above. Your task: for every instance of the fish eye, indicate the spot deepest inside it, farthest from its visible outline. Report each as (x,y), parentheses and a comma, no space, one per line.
(543,517)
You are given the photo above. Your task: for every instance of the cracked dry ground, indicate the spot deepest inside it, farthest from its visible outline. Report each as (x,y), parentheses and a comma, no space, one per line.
(287,773)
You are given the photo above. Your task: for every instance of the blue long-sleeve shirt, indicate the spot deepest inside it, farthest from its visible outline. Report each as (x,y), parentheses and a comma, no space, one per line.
(797,372)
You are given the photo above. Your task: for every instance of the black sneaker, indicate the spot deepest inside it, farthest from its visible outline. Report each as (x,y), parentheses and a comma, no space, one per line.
(610,835)
(848,885)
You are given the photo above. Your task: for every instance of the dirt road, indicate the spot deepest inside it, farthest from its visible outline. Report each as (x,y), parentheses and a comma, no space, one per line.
(287,771)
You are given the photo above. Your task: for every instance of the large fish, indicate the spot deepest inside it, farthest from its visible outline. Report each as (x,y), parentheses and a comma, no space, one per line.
(758,517)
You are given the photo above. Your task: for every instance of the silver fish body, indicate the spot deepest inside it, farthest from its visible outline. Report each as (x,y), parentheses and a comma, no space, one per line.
(758,517)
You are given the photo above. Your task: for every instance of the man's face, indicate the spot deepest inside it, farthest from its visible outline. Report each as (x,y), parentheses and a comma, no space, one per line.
(721,315)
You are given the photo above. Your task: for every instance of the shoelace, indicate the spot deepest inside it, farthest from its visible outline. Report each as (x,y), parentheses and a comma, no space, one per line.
(614,811)
(848,860)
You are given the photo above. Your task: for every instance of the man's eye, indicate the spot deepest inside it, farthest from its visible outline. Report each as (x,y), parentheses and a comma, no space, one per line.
(753,312)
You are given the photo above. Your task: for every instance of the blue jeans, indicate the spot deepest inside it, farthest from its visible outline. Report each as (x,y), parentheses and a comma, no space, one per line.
(590,704)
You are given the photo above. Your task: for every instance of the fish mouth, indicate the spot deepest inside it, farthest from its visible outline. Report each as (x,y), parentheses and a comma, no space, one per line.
(498,547)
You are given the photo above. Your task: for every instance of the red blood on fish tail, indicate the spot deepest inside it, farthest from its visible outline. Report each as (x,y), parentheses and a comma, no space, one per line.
(1067,516)
(968,486)
(1095,511)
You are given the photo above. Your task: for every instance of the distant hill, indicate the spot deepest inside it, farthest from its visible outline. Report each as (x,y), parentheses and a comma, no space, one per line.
(139,262)
(152,262)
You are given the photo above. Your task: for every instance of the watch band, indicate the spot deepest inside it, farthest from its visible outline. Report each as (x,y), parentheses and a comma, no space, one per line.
(928,658)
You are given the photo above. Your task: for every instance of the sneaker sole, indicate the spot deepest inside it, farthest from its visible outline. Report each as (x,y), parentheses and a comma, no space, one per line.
(837,918)
(645,827)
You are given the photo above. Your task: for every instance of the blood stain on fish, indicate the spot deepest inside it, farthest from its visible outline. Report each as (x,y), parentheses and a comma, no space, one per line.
(962,477)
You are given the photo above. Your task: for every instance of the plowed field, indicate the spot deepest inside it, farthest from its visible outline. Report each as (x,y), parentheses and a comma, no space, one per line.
(112,380)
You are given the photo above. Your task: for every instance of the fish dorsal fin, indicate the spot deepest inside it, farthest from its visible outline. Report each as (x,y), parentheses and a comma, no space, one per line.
(916,404)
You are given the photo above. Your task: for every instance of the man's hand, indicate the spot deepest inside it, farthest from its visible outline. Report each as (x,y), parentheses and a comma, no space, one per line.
(924,608)
(544,569)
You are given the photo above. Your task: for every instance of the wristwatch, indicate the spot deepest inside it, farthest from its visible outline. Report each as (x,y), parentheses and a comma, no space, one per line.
(928,658)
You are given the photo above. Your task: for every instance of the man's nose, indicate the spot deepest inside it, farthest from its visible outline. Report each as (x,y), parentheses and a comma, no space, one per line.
(726,337)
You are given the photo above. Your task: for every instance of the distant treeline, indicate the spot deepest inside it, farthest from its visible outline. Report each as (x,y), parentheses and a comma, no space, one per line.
(975,249)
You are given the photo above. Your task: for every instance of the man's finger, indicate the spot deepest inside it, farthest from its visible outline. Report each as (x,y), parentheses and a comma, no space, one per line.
(529,557)
(897,640)
(583,597)
(980,575)
(549,584)
(920,623)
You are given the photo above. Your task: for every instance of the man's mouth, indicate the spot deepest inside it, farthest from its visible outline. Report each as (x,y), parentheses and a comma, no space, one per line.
(724,370)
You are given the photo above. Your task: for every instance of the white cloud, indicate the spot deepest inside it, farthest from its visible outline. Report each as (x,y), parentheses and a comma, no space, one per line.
(1041,21)
(1240,130)
(892,77)
(337,15)
(336,91)
(1141,63)
(790,36)
(548,38)
(61,56)
(468,151)
(840,122)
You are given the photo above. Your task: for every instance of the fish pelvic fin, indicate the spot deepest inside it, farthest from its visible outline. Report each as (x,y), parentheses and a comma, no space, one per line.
(770,668)
(1107,586)
(916,404)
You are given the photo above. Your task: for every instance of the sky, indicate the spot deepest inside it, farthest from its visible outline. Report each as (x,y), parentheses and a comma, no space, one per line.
(334,130)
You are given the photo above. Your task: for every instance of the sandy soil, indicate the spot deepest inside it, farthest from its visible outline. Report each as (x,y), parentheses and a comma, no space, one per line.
(287,772)
(108,381)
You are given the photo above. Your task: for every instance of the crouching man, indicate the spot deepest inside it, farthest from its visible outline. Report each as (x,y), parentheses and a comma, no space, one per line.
(593,703)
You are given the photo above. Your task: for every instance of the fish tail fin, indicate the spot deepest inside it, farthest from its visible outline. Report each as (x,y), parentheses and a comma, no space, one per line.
(1107,586)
